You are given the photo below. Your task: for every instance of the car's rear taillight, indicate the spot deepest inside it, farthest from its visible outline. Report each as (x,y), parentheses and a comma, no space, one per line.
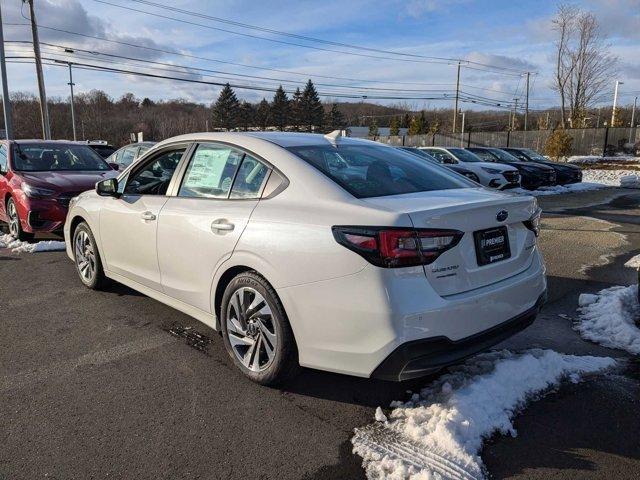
(397,247)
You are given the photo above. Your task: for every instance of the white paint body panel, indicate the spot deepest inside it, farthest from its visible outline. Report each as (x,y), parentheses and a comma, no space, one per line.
(346,314)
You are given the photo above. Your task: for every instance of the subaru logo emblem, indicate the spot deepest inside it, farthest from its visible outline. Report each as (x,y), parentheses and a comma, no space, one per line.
(502,215)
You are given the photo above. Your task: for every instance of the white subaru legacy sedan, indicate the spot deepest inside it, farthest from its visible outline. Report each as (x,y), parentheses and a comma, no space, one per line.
(318,251)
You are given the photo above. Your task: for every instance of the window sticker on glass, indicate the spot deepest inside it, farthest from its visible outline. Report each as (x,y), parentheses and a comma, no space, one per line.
(210,172)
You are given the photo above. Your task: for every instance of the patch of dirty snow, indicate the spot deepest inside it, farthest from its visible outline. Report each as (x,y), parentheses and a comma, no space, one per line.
(594,159)
(559,189)
(609,318)
(7,241)
(613,178)
(439,432)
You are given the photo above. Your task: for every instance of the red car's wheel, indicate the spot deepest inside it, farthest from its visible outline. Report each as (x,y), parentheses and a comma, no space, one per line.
(15,228)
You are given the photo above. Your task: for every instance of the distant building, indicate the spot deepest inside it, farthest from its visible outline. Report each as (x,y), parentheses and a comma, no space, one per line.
(361,132)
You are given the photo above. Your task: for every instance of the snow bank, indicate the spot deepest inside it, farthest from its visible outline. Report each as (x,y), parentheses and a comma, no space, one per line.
(608,318)
(633,262)
(559,189)
(6,241)
(592,159)
(615,178)
(439,432)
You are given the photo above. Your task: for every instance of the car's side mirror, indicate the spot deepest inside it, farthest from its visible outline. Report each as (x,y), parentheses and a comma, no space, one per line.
(114,165)
(107,188)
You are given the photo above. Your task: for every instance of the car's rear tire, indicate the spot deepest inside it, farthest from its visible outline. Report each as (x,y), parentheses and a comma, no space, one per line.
(87,258)
(15,227)
(256,330)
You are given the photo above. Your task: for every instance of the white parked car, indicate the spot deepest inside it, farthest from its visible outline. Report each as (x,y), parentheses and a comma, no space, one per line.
(331,253)
(493,175)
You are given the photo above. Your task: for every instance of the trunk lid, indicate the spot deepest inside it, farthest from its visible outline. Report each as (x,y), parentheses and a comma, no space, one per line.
(469,210)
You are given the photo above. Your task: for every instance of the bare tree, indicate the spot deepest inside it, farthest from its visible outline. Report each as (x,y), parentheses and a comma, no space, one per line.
(593,68)
(584,65)
(564,25)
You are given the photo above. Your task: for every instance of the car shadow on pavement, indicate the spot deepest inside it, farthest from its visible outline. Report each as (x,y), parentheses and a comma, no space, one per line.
(593,423)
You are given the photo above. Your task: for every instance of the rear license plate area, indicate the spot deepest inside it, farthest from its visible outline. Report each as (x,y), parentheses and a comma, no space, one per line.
(492,245)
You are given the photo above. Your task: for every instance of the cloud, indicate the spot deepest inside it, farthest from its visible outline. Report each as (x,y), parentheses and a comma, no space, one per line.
(56,17)
(418,8)
(501,61)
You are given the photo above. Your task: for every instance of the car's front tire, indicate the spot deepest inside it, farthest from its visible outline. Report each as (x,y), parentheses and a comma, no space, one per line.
(15,227)
(87,258)
(256,331)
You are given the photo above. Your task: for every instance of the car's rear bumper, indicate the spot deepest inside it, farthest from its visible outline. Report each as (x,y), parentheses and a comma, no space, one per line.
(422,357)
(352,324)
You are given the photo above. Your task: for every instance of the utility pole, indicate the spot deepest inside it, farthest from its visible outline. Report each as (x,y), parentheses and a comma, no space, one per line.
(455,107)
(6,103)
(44,108)
(73,114)
(526,107)
(515,110)
(633,117)
(598,121)
(615,103)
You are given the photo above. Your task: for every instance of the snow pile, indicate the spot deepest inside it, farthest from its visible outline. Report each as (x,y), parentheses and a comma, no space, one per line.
(608,318)
(633,262)
(559,189)
(439,432)
(608,177)
(7,241)
(593,159)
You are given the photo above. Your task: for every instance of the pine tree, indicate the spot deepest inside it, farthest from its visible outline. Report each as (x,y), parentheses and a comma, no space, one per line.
(334,119)
(246,115)
(311,110)
(406,121)
(263,114)
(226,109)
(281,109)
(296,109)
(394,126)
(418,125)
(373,128)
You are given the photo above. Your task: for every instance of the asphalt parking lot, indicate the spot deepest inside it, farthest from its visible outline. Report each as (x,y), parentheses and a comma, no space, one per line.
(94,384)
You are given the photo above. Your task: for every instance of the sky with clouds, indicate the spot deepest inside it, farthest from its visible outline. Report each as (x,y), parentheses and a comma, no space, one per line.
(509,35)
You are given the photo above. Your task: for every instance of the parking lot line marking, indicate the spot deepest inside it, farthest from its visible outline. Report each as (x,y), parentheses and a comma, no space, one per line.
(67,367)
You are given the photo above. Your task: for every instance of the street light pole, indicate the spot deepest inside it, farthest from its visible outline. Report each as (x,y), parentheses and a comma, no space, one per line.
(462,130)
(615,103)
(6,103)
(526,107)
(455,107)
(73,114)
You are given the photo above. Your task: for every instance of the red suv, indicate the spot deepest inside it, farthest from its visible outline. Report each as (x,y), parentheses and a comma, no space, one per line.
(38,179)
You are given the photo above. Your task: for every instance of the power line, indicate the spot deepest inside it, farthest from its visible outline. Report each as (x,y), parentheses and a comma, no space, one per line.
(302,37)
(420,59)
(197,57)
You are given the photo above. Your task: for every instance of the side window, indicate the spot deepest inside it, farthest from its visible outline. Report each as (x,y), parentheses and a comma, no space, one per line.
(249,179)
(154,177)
(3,159)
(128,156)
(211,171)
(441,156)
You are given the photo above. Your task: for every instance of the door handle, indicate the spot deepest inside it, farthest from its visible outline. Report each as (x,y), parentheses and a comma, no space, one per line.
(222,225)
(147,216)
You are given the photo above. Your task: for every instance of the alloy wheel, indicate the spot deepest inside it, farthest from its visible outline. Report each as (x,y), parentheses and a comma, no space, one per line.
(85,256)
(251,329)
(14,221)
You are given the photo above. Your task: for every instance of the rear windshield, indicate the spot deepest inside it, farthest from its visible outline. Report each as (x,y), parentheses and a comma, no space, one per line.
(43,157)
(465,155)
(377,171)
(103,150)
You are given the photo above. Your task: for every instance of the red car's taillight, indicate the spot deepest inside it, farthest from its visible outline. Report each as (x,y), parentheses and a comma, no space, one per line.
(397,247)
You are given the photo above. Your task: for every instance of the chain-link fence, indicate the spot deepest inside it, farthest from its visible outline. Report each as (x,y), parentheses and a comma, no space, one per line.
(586,141)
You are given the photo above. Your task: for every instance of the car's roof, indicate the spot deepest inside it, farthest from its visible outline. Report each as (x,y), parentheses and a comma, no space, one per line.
(282,139)
(53,142)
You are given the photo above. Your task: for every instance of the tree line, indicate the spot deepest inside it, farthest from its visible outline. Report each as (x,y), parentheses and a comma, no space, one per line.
(303,112)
